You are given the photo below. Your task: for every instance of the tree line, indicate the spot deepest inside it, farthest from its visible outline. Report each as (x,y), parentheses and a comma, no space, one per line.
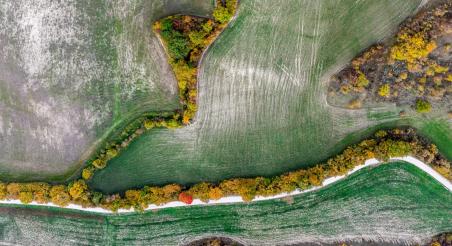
(384,145)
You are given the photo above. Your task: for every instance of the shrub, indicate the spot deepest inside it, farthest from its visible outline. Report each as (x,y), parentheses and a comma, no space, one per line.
(13,190)
(78,190)
(381,134)
(149,124)
(99,163)
(166,24)
(384,90)
(171,191)
(362,80)
(231,5)
(389,148)
(166,27)
(222,14)
(25,197)
(215,193)
(172,124)
(59,195)
(185,198)
(112,153)
(208,26)
(439,69)
(403,76)
(96,198)
(178,46)
(423,106)
(197,38)
(41,192)
(186,119)
(3,192)
(411,47)
(135,199)
(354,104)
(87,173)
(449,77)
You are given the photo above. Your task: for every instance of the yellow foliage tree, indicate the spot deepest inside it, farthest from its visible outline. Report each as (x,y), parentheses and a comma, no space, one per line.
(384,90)
(215,193)
(25,197)
(87,173)
(40,192)
(13,190)
(59,195)
(3,192)
(99,163)
(412,47)
(78,190)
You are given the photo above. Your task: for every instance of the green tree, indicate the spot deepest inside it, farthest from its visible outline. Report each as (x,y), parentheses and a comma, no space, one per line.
(222,14)
(197,38)
(178,46)
(423,106)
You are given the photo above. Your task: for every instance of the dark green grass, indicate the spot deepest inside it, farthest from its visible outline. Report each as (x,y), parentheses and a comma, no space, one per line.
(261,96)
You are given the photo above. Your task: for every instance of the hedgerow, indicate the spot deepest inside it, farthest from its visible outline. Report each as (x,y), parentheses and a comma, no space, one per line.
(384,145)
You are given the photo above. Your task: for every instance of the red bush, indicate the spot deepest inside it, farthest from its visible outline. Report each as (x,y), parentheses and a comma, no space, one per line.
(185,198)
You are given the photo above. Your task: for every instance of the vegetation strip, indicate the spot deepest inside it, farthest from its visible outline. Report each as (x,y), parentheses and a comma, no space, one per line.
(385,145)
(185,39)
(237,199)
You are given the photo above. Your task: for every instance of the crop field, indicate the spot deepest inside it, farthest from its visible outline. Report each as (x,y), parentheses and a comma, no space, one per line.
(396,202)
(262,97)
(72,72)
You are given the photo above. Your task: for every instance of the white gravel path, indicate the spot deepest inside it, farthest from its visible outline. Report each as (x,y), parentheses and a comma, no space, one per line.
(237,199)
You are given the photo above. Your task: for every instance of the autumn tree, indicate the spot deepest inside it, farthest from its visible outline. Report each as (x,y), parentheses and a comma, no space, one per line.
(79,190)
(3,191)
(423,106)
(59,195)
(13,190)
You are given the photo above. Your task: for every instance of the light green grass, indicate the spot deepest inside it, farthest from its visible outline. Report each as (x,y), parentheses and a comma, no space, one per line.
(396,202)
(96,66)
(262,89)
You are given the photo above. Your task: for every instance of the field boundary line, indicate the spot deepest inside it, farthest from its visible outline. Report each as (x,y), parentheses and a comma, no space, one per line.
(238,199)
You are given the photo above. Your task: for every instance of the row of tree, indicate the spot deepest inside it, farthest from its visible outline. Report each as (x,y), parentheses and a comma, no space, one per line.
(385,144)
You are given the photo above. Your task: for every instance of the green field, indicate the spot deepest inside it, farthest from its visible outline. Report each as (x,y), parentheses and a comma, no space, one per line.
(262,112)
(395,203)
(262,97)
(72,72)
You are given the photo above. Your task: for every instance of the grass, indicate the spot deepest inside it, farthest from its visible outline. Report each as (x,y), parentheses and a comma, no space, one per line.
(395,203)
(261,96)
(439,132)
(262,112)
(91,84)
